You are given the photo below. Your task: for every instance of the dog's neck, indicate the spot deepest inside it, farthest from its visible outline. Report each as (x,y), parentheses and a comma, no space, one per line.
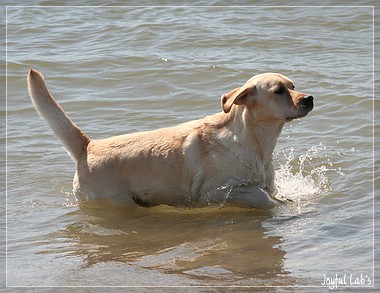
(252,141)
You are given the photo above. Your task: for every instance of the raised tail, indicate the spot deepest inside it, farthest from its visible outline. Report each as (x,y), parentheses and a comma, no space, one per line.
(74,139)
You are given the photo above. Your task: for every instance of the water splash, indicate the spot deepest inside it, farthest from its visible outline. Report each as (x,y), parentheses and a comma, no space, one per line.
(297,177)
(306,175)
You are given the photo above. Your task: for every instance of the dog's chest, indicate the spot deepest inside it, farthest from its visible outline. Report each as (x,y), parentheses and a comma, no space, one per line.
(252,170)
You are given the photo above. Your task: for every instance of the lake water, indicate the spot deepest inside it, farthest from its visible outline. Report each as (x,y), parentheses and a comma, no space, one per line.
(119,70)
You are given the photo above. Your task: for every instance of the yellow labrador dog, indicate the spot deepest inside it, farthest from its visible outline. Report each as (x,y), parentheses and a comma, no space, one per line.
(224,158)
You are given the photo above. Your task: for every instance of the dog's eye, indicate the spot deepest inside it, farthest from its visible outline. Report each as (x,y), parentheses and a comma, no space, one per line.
(280,90)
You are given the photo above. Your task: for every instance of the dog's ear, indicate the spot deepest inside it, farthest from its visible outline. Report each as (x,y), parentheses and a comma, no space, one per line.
(238,96)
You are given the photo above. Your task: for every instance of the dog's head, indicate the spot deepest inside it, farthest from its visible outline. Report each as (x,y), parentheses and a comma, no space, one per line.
(269,96)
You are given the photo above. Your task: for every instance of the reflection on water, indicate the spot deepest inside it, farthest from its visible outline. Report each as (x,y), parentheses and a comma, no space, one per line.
(214,246)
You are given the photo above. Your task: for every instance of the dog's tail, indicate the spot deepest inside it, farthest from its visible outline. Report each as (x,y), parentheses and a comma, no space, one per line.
(74,139)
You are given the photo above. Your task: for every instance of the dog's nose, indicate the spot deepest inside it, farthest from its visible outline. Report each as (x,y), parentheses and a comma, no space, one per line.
(307,101)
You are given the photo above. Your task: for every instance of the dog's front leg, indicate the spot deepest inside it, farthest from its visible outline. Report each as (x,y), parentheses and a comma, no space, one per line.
(250,197)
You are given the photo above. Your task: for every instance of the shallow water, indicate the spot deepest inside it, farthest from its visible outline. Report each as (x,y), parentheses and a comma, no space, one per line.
(119,70)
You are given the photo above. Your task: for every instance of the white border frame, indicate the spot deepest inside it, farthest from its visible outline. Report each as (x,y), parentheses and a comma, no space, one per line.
(200,6)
